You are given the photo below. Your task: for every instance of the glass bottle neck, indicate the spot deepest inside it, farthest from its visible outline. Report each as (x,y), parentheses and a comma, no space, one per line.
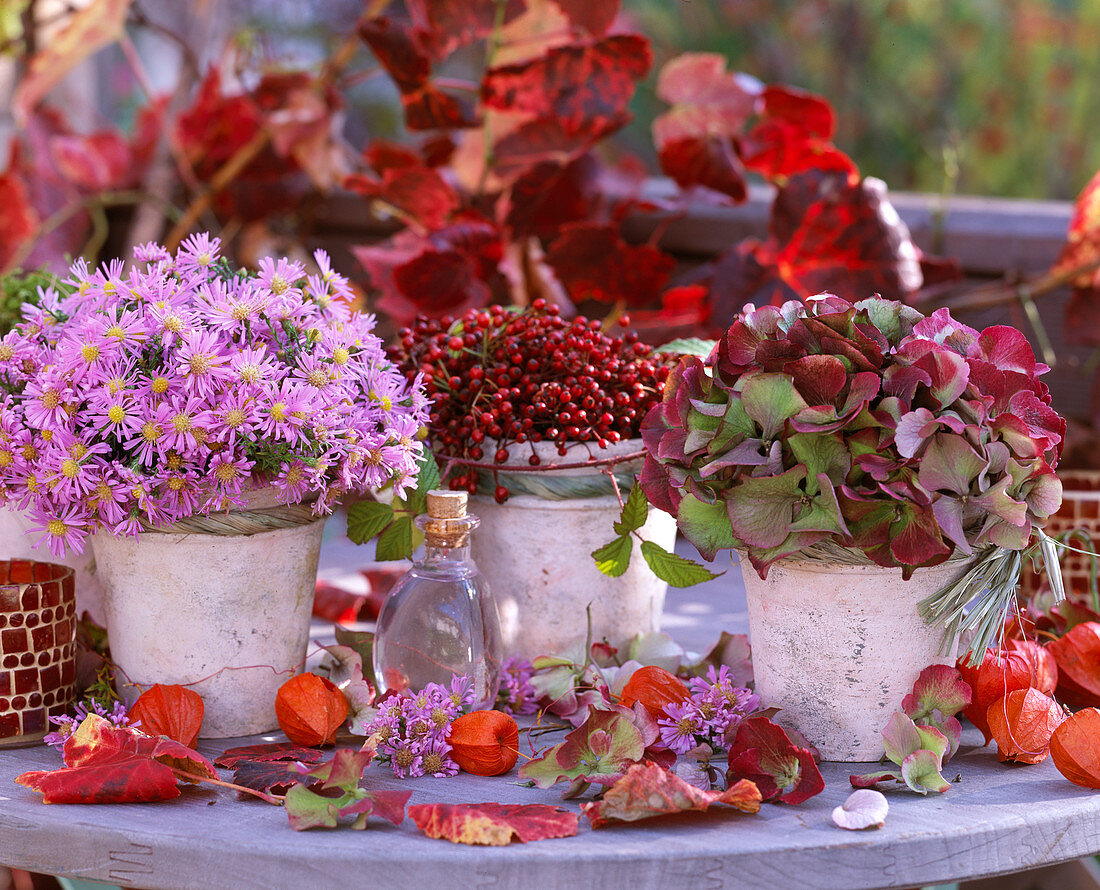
(435,551)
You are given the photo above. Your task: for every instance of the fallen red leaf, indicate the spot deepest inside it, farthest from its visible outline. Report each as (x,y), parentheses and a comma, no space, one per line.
(231,758)
(1022,723)
(493,824)
(1078,657)
(1075,748)
(105,763)
(172,711)
(647,790)
(271,777)
(310,709)
(763,753)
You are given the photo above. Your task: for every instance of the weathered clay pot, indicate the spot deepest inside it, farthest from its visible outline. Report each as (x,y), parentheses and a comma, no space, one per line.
(838,647)
(536,555)
(227,615)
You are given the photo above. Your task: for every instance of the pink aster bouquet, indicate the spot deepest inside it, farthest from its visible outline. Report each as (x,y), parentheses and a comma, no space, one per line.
(168,388)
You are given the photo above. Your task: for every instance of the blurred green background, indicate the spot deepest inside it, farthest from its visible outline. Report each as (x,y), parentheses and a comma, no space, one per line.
(990,97)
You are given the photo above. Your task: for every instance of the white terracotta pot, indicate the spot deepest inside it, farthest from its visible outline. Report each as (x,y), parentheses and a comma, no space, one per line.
(230,611)
(838,647)
(536,555)
(17,542)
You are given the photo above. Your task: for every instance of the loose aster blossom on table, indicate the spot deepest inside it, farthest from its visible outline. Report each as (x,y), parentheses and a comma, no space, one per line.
(716,706)
(167,388)
(412,730)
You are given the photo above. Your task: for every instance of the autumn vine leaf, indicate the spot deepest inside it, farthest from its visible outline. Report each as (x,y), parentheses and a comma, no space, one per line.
(493,824)
(105,763)
(647,790)
(273,752)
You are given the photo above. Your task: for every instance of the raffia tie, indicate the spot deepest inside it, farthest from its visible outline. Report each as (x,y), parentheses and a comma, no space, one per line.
(241,523)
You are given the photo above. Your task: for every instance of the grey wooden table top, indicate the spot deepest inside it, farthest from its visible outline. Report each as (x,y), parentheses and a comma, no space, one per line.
(997,819)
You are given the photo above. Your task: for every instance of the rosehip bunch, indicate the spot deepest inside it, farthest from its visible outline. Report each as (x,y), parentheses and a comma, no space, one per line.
(502,378)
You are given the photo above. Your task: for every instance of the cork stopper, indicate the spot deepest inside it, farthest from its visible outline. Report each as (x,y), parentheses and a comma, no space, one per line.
(446,504)
(447,523)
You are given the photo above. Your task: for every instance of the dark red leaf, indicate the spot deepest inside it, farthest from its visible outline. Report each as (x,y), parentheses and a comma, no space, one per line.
(595,16)
(778,150)
(493,823)
(812,114)
(594,263)
(449,24)
(429,108)
(216,126)
(577,84)
(383,156)
(763,753)
(545,140)
(332,603)
(441,282)
(548,196)
(709,161)
(96,162)
(418,193)
(400,50)
(273,752)
(270,776)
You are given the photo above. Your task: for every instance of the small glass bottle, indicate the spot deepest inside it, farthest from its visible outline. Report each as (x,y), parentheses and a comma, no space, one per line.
(440,618)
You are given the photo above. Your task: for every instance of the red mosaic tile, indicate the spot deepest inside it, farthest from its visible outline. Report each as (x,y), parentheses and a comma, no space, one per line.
(9,599)
(26,659)
(19,703)
(13,640)
(26,681)
(32,620)
(31,598)
(9,725)
(10,661)
(42,637)
(34,700)
(16,620)
(34,721)
(51,677)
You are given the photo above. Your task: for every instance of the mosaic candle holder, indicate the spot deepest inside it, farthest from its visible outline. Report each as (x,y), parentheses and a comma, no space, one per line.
(37,648)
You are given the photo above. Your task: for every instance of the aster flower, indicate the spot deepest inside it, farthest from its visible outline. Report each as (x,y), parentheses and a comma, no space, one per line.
(679,729)
(162,389)
(517,695)
(67,725)
(435,759)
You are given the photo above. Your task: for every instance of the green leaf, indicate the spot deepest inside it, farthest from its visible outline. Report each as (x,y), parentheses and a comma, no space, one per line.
(366,519)
(676,570)
(396,542)
(706,526)
(688,346)
(634,513)
(613,558)
(427,479)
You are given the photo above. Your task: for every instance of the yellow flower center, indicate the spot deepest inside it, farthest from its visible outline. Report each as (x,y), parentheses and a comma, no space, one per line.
(404,758)
(176,483)
(234,417)
(293,475)
(116,332)
(57,528)
(102,491)
(6,457)
(29,452)
(47,435)
(173,323)
(160,385)
(69,468)
(89,352)
(278,412)
(249,373)
(116,414)
(240,312)
(340,355)
(51,398)
(226,472)
(6,353)
(182,423)
(204,259)
(199,364)
(32,483)
(317,378)
(199,435)
(433,763)
(78,450)
(150,432)
(279,284)
(374,457)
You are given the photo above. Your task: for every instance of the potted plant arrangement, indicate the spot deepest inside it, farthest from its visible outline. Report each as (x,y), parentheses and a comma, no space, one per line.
(537,416)
(874,468)
(200,421)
